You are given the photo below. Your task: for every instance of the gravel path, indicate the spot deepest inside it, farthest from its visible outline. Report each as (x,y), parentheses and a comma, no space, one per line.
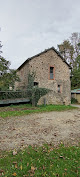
(39,128)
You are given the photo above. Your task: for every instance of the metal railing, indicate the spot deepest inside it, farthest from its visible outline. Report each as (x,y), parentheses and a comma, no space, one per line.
(4,95)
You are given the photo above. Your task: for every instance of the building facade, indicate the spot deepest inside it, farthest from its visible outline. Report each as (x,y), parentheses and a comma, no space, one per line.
(76,94)
(52,72)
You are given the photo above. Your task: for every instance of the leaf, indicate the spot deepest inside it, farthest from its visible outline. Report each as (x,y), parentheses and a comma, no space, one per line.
(27,164)
(32,168)
(65,169)
(1,172)
(14,152)
(15,165)
(43,167)
(14,174)
(21,167)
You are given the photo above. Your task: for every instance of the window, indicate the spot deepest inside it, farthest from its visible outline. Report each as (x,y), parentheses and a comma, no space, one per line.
(0,73)
(51,72)
(35,83)
(59,89)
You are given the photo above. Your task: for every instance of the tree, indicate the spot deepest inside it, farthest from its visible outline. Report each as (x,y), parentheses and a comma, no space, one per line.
(69,49)
(4,64)
(75,39)
(7,76)
(75,80)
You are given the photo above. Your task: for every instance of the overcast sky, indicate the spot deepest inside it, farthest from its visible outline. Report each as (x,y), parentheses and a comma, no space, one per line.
(31,26)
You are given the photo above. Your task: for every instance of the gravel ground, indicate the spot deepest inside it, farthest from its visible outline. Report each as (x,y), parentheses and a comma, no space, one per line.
(40,128)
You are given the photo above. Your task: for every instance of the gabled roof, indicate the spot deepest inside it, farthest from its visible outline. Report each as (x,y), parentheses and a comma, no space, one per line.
(46,50)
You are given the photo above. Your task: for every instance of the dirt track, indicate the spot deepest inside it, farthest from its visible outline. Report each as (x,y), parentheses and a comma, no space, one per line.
(36,129)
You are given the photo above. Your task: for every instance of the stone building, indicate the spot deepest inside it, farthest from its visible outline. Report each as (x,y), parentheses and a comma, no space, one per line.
(52,72)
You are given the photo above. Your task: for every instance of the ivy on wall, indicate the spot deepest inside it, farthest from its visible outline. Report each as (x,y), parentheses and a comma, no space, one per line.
(34,92)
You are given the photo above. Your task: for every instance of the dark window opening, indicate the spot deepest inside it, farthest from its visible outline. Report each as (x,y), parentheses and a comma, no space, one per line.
(0,73)
(51,73)
(35,83)
(59,89)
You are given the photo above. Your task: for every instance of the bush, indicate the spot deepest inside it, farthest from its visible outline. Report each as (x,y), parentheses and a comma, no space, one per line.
(73,100)
(35,94)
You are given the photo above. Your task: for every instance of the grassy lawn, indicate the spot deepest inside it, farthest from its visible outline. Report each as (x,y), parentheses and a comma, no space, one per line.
(41,161)
(24,109)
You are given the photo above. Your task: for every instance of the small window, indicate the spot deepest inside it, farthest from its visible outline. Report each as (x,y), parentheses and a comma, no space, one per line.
(51,72)
(0,73)
(35,83)
(59,89)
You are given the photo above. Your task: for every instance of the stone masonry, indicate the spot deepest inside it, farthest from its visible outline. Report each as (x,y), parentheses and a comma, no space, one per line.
(40,64)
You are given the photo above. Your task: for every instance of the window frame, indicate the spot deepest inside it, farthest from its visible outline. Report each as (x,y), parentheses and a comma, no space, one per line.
(52,66)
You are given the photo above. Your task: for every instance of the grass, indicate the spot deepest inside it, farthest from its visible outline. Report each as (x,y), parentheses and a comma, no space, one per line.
(41,161)
(25,109)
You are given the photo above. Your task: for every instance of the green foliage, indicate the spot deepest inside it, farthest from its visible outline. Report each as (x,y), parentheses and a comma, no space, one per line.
(12,94)
(4,65)
(34,92)
(69,49)
(73,100)
(25,109)
(31,78)
(42,161)
(75,80)
(8,80)
(7,76)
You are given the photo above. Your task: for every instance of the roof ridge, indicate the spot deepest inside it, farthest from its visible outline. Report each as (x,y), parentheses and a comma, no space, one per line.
(52,48)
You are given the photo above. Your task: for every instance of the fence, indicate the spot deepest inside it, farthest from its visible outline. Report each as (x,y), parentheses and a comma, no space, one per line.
(7,97)
(30,95)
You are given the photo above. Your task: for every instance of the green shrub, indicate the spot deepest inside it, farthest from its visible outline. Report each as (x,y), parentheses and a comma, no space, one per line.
(34,92)
(73,100)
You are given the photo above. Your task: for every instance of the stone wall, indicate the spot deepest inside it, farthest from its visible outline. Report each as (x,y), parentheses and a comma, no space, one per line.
(41,66)
(23,75)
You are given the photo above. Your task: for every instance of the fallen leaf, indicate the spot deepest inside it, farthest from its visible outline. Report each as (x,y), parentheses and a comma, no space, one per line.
(21,167)
(27,164)
(16,165)
(31,174)
(65,169)
(28,152)
(14,174)
(1,171)
(32,168)
(14,152)
(43,167)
